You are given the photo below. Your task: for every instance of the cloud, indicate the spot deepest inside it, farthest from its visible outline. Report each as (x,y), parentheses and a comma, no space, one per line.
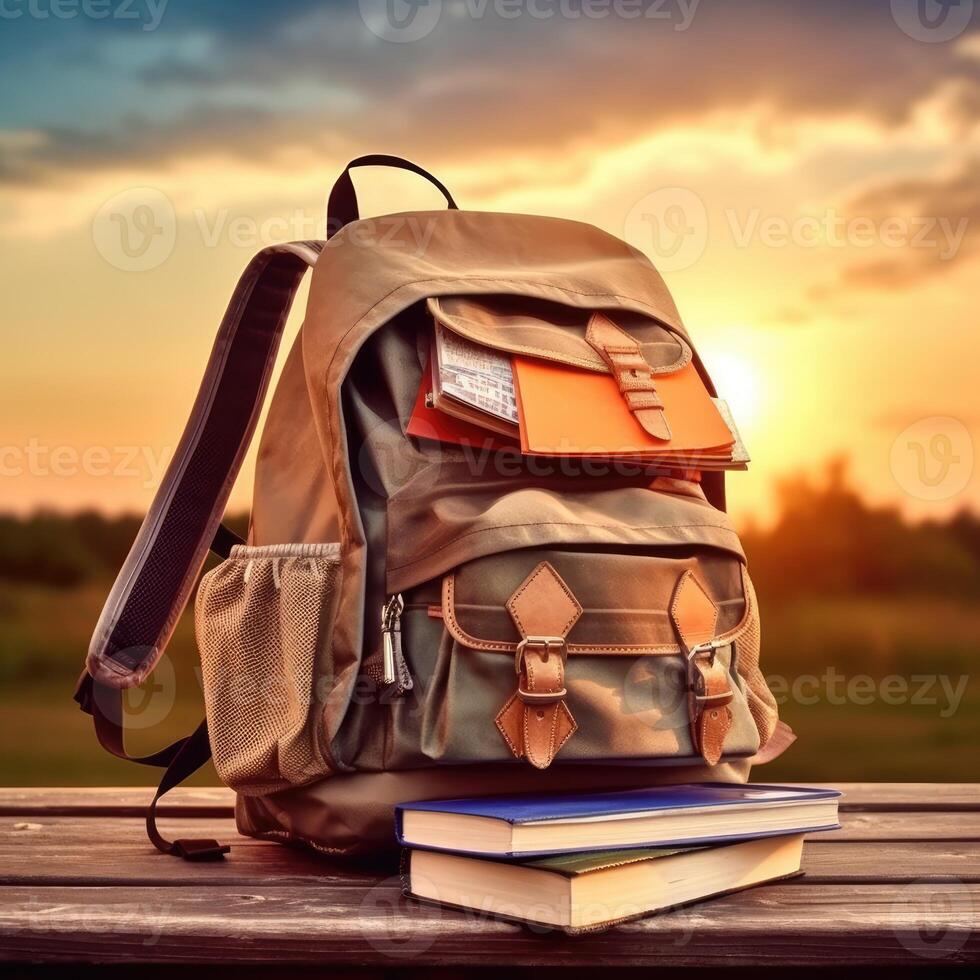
(302,75)
(940,217)
(790,316)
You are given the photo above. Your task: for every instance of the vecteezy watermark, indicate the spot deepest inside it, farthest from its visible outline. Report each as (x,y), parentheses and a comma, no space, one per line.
(401,21)
(410,233)
(671,225)
(831,687)
(932,20)
(423,461)
(38,459)
(136,230)
(404,21)
(932,459)
(395,927)
(655,691)
(147,14)
(391,933)
(832,229)
(142,922)
(934,919)
(150,704)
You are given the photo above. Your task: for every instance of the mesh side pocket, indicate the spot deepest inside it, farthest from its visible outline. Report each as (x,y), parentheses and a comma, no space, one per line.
(762,704)
(262,617)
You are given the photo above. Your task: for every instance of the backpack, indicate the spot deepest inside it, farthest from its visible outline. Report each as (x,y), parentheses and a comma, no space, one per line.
(411,619)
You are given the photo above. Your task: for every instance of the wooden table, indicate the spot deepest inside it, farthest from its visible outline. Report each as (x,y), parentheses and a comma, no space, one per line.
(898,884)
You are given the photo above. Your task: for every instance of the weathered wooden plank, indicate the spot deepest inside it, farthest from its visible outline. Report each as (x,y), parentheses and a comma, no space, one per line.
(185,801)
(899,863)
(905,825)
(877,826)
(64,850)
(218,801)
(931,924)
(906,796)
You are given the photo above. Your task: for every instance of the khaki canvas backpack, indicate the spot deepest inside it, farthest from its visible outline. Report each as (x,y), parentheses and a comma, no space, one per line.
(411,619)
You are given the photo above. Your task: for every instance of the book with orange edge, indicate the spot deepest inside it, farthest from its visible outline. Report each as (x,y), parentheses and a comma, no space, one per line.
(565,411)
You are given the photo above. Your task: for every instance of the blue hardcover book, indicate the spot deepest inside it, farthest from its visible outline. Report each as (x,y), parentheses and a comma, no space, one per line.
(696,813)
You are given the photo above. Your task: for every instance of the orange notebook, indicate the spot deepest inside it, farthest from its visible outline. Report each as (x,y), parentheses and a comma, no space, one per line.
(571,412)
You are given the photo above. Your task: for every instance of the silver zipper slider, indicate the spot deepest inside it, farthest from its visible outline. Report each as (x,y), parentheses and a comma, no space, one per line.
(391,637)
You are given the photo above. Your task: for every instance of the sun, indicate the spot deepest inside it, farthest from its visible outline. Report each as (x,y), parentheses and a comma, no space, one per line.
(737,380)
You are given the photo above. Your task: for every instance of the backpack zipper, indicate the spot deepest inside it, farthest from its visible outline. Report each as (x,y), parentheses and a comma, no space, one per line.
(394,670)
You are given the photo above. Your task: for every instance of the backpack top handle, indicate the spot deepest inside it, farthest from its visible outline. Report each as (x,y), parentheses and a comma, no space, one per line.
(342,203)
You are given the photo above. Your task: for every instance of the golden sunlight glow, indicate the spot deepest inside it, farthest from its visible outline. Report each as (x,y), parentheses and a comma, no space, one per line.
(738,381)
(770,310)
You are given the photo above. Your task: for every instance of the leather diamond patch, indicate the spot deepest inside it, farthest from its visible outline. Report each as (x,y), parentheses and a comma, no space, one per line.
(544,604)
(693,611)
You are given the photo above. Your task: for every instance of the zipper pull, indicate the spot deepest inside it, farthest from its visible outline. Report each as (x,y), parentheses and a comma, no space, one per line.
(394,670)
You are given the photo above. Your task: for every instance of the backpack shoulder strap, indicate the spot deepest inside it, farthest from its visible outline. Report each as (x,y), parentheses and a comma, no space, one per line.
(184,522)
(159,573)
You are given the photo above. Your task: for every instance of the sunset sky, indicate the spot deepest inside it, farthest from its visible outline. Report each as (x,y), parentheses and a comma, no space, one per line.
(806,174)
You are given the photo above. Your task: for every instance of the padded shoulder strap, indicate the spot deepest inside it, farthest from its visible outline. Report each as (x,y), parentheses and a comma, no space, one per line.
(159,573)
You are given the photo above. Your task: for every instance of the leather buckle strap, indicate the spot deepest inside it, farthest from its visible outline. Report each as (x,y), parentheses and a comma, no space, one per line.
(535,722)
(709,685)
(545,647)
(622,354)
(546,644)
(696,679)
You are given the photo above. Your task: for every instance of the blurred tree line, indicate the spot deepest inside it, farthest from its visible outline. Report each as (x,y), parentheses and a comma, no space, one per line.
(825,541)
(64,550)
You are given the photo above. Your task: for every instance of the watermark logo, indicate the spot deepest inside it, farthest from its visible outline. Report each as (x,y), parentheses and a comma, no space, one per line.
(832,229)
(940,691)
(671,226)
(37,459)
(136,230)
(413,20)
(146,13)
(389,930)
(141,922)
(932,459)
(655,693)
(932,21)
(400,21)
(935,918)
(149,705)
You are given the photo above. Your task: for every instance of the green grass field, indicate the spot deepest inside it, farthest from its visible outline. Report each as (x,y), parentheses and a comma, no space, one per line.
(875,716)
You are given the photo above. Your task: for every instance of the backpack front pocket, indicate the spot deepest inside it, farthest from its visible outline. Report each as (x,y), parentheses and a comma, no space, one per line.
(264,619)
(616,684)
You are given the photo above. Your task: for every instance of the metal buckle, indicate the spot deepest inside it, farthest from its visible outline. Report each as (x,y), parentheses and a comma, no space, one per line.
(545,643)
(696,679)
(708,647)
(724,698)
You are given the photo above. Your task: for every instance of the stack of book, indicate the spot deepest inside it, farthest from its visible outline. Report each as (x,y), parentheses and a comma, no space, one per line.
(475,395)
(584,862)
